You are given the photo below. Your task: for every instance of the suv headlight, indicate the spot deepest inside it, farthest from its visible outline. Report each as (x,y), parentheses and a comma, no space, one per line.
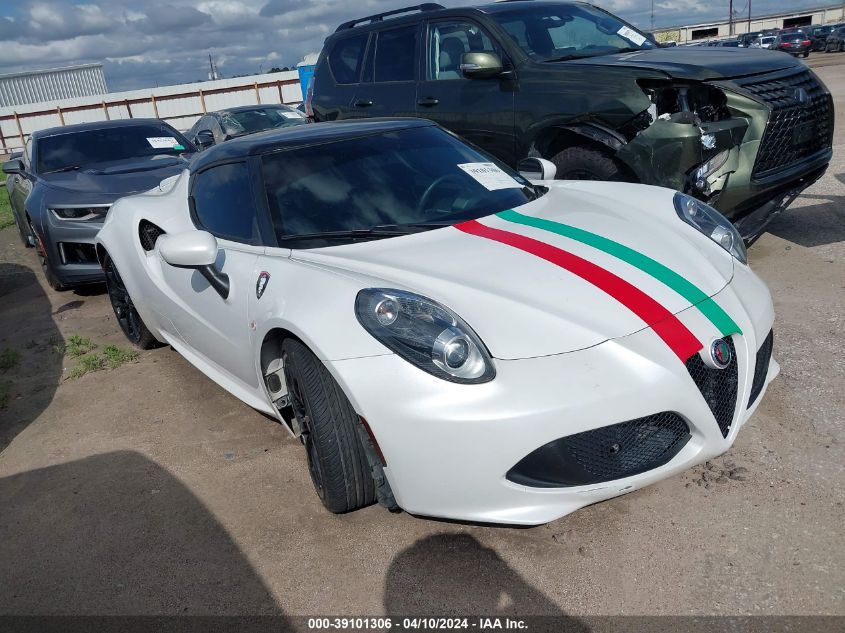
(424,333)
(707,220)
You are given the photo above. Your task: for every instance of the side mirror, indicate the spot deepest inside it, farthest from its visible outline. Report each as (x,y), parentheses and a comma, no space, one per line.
(205,139)
(537,169)
(195,249)
(481,65)
(14,166)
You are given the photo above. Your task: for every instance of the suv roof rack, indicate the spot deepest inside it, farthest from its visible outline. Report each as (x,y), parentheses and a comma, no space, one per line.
(378,17)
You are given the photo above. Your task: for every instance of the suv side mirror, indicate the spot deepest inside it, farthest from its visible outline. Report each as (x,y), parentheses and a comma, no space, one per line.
(198,250)
(536,169)
(14,166)
(205,139)
(481,65)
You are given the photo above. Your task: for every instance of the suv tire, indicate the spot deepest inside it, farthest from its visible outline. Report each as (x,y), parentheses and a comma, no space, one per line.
(581,163)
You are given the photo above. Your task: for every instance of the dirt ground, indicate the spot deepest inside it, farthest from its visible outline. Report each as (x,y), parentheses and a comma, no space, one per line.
(149,490)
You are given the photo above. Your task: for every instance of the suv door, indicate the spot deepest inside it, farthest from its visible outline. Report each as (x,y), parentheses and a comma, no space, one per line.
(336,79)
(480,110)
(223,203)
(389,84)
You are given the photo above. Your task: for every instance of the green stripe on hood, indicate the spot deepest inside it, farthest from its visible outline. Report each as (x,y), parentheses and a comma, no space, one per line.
(669,277)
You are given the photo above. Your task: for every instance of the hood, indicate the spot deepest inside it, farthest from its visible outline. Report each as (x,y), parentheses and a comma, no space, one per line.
(697,63)
(120,178)
(523,306)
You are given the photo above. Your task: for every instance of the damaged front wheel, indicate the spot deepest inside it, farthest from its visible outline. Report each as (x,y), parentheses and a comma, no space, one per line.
(581,163)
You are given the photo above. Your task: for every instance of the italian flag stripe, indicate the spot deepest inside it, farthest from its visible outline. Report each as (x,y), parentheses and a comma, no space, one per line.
(673,280)
(665,324)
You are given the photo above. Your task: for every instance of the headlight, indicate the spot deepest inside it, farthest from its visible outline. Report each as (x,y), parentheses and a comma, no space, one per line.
(424,333)
(79,213)
(713,224)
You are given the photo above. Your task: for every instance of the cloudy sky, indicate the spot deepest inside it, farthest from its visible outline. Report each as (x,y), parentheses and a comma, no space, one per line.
(158,42)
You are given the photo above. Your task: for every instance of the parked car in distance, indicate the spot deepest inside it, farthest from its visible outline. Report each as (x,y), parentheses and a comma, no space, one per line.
(575,354)
(216,127)
(797,44)
(764,41)
(727,43)
(575,85)
(818,36)
(835,41)
(746,39)
(68,178)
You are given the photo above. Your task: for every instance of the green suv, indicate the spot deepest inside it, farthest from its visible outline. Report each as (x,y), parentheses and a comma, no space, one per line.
(742,129)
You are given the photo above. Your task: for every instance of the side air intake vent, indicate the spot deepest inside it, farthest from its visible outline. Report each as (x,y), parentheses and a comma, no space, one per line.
(148,233)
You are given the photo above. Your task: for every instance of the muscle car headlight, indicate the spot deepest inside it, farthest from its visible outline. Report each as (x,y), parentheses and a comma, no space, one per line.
(79,213)
(424,333)
(707,220)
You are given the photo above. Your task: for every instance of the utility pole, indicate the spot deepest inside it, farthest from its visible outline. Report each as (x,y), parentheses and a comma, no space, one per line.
(749,16)
(731,17)
(652,15)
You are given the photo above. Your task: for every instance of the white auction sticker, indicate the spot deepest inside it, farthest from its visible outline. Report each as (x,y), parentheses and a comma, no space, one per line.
(291,115)
(631,35)
(162,142)
(490,176)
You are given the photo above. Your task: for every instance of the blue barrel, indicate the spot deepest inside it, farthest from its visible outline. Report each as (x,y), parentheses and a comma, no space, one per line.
(305,74)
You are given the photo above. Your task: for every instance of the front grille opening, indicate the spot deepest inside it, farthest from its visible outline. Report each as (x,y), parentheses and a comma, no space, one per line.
(148,233)
(77,253)
(718,386)
(604,454)
(801,123)
(761,367)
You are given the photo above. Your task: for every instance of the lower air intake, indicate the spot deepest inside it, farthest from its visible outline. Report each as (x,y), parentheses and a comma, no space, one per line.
(761,368)
(718,386)
(604,454)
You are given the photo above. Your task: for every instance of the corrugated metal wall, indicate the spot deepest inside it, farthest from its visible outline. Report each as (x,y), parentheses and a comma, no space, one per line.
(51,85)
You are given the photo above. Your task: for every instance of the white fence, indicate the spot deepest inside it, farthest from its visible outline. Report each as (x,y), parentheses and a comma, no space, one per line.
(179,105)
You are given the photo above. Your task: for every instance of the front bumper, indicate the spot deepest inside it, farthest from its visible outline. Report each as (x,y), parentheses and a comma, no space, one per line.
(449,447)
(71,250)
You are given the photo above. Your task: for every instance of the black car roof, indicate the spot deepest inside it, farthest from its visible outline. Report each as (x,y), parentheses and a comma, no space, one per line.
(298,135)
(96,125)
(248,108)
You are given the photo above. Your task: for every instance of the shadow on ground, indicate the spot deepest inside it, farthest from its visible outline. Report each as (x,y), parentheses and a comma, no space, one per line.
(814,224)
(455,575)
(28,334)
(116,534)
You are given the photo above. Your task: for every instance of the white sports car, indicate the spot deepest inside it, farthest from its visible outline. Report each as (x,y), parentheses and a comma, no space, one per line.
(445,335)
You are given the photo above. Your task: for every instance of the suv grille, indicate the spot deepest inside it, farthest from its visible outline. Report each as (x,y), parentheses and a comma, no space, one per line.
(604,454)
(795,130)
(148,233)
(718,386)
(761,368)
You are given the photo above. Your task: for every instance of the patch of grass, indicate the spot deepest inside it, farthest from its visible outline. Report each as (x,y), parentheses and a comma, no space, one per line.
(5,393)
(9,358)
(115,356)
(75,346)
(6,217)
(111,357)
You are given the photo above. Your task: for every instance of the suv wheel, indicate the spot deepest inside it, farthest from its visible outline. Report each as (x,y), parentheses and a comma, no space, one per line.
(581,163)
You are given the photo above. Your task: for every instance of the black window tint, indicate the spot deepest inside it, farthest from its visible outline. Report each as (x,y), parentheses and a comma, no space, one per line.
(223,203)
(395,51)
(345,59)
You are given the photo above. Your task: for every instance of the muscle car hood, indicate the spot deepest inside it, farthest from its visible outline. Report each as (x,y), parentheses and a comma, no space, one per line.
(524,305)
(697,63)
(116,179)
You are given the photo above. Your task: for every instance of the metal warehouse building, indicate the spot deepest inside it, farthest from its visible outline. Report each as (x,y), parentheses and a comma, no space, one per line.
(53,84)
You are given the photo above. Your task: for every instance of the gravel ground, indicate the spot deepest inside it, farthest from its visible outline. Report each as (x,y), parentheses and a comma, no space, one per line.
(149,490)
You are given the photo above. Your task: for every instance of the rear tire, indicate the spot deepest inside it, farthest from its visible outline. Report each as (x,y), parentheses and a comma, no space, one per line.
(337,460)
(127,316)
(581,163)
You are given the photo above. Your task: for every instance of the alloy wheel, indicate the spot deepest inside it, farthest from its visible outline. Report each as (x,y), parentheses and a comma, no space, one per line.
(297,402)
(124,310)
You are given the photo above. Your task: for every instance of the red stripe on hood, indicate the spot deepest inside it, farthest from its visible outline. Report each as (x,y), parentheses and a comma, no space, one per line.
(665,324)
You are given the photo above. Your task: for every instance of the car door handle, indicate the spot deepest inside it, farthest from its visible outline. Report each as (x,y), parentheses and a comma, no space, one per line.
(363,103)
(428,102)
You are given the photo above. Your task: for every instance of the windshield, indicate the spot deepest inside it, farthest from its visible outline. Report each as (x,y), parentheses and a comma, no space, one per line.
(558,32)
(260,119)
(394,182)
(77,150)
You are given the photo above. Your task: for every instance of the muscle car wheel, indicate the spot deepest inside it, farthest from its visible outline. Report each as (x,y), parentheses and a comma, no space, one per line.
(46,266)
(124,310)
(337,461)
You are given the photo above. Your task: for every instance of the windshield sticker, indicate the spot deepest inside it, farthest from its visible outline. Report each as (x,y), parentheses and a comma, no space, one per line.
(179,147)
(631,35)
(490,176)
(162,142)
(291,115)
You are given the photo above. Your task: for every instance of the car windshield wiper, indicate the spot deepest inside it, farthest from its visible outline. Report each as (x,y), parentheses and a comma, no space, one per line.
(65,168)
(370,233)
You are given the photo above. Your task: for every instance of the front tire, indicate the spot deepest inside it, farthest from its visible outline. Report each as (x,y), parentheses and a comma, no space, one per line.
(581,163)
(127,316)
(338,463)
(46,267)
